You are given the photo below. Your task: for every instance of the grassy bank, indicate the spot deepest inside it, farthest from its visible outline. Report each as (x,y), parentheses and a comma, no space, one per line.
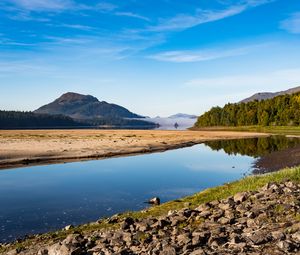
(216,193)
(280,130)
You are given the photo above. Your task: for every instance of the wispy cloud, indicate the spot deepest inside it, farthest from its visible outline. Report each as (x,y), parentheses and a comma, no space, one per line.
(185,21)
(74,26)
(284,77)
(132,15)
(39,5)
(292,24)
(56,6)
(21,67)
(202,55)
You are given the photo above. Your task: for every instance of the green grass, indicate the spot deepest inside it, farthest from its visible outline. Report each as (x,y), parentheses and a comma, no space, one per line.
(282,130)
(217,193)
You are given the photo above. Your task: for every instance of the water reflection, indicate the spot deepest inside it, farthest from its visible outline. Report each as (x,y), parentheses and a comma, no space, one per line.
(44,198)
(271,153)
(254,147)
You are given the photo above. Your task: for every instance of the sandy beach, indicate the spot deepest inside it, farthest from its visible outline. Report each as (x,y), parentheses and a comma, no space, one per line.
(19,148)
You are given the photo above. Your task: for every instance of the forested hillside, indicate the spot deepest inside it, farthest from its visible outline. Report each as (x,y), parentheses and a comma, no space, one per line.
(280,111)
(14,119)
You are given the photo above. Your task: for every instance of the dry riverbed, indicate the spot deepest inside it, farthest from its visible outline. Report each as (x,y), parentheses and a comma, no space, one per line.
(35,147)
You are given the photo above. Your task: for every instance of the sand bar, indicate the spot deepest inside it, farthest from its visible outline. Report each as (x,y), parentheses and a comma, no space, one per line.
(19,148)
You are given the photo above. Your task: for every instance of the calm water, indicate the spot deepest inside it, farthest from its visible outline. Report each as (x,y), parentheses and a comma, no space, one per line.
(43,198)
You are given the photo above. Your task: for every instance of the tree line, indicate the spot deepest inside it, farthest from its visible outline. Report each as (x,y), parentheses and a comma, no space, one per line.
(278,111)
(18,119)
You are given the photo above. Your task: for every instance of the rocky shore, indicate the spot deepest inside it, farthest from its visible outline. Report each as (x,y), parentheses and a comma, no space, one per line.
(266,221)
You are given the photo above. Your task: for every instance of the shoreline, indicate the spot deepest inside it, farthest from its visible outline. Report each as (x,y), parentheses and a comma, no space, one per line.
(220,197)
(24,148)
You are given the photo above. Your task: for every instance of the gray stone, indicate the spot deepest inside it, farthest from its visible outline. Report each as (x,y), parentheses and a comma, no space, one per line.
(168,250)
(259,237)
(43,252)
(240,197)
(183,239)
(198,252)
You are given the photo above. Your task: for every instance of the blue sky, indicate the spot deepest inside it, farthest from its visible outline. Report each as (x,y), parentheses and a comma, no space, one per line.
(155,57)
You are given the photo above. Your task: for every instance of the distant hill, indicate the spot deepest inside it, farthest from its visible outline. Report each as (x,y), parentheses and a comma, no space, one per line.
(269,95)
(83,107)
(281,110)
(183,115)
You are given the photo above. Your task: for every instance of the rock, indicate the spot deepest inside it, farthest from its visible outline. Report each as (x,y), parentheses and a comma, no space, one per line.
(58,249)
(142,226)
(154,201)
(296,236)
(240,197)
(278,235)
(203,207)
(12,252)
(200,238)
(224,206)
(259,237)
(205,214)
(183,239)
(198,252)
(68,227)
(224,221)
(161,224)
(168,250)
(127,222)
(262,222)
(216,241)
(43,252)
(286,246)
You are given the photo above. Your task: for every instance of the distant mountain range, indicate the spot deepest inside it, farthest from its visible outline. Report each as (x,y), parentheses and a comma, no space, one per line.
(84,107)
(183,116)
(269,95)
(183,121)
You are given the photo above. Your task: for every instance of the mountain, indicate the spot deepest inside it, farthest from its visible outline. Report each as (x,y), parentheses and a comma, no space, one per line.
(84,107)
(183,116)
(269,95)
(183,121)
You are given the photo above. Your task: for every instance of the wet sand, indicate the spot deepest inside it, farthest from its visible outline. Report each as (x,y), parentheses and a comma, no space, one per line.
(19,148)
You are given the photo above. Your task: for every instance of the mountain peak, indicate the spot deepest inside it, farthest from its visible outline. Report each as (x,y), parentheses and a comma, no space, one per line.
(70,97)
(80,106)
(269,95)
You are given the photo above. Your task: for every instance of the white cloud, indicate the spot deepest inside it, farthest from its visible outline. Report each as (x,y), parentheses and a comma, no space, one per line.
(185,21)
(75,26)
(202,55)
(132,15)
(292,24)
(279,78)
